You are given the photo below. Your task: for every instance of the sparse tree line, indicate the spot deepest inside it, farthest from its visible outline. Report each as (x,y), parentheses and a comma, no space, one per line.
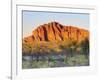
(68,48)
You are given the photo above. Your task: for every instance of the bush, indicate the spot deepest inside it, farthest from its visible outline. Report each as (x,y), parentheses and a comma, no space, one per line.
(26,64)
(78,60)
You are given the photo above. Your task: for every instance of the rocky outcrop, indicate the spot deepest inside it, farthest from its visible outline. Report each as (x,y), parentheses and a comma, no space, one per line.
(54,31)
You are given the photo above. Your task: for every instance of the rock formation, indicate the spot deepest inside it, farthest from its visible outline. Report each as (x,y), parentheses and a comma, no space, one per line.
(54,31)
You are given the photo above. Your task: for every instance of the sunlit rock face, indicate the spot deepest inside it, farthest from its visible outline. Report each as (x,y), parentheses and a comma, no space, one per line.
(55,31)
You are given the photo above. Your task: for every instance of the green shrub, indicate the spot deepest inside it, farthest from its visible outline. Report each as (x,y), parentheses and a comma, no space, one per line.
(78,60)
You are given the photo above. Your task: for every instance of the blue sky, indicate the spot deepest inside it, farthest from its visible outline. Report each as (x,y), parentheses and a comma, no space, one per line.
(32,19)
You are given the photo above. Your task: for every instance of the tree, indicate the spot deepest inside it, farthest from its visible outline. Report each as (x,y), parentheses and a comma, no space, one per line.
(26,49)
(85,46)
